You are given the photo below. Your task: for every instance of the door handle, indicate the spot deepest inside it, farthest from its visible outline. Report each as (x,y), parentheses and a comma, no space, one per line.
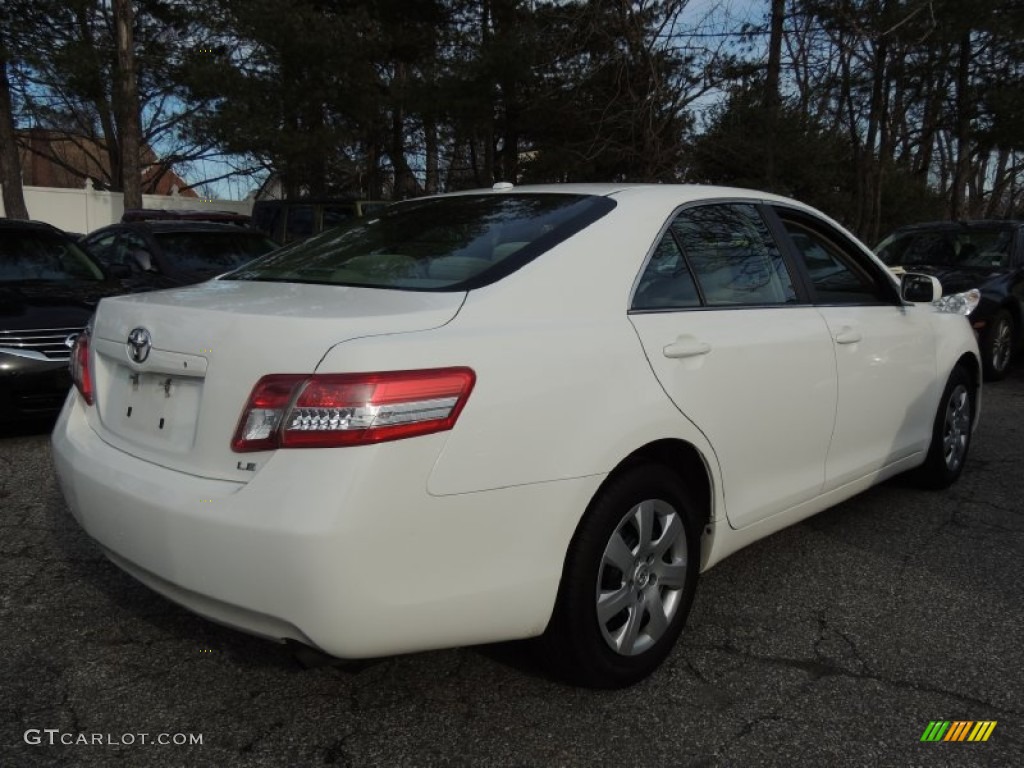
(848,335)
(686,346)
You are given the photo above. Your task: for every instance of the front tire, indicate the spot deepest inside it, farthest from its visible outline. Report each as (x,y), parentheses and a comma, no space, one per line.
(997,343)
(951,433)
(628,582)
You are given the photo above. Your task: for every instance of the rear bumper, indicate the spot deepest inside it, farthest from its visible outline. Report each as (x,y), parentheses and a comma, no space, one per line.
(342,549)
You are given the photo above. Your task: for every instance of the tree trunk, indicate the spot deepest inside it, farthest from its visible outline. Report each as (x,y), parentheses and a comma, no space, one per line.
(772,97)
(128,122)
(858,150)
(316,162)
(406,184)
(10,163)
(933,96)
(873,150)
(430,148)
(485,175)
(105,109)
(373,187)
(405,180)
(957,202)
(999,185)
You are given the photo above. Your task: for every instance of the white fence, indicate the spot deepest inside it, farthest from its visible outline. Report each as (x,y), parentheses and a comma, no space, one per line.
(83,210)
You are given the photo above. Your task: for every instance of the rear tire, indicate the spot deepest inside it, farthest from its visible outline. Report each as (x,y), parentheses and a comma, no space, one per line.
(628,581)
(997,345)
(951,433)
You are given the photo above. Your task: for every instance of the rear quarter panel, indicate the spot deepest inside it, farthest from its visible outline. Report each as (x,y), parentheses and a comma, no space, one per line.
(563,387)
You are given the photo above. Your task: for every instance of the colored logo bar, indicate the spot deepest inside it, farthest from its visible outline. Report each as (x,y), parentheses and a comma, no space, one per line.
(958,730)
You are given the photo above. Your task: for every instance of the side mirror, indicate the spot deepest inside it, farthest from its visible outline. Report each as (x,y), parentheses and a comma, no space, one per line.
(144,260)
(920,288)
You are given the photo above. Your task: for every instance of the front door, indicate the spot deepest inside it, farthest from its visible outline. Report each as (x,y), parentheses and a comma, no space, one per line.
(885,356)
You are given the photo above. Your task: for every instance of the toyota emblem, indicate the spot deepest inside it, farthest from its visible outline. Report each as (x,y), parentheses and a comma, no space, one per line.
(138,346)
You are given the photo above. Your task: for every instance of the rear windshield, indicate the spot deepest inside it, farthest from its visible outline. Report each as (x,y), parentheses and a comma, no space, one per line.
(436,244)
(43,255)
(946,247)
(211,251)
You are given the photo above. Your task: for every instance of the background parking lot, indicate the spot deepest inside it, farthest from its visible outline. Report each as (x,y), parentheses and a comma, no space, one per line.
(833,642)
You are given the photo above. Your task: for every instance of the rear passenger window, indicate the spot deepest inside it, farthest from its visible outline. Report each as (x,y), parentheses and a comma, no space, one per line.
(733,256)
(667,282)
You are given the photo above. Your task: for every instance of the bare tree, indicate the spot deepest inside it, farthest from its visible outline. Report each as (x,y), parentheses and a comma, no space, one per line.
(772,97)
(127,100)
(10,163)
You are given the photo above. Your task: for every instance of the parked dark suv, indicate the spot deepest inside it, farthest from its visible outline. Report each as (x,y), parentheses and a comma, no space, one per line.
(987,255)
(287,221)
(49,288)
(165,253)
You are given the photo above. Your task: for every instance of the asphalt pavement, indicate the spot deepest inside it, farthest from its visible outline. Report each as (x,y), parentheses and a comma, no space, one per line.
(835,642)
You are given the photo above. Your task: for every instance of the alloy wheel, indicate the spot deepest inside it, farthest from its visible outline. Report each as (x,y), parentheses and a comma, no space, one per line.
(1002,344)
(957,427)
(641,578)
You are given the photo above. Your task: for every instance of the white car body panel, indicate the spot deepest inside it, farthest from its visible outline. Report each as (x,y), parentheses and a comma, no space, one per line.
(460,536)
(889,388)
(792,400)
(252,557)
(567,363)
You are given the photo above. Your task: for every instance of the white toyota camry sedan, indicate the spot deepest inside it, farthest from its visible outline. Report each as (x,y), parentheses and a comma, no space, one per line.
(509,413)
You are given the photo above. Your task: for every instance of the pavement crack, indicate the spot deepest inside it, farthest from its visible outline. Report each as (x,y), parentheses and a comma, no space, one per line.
(818,669)
(749,727)
(337,752)
(915,552)
(696,672)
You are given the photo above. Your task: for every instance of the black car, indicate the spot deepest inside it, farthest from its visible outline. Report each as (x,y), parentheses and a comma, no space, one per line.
(167,253)
(987,255)
(288,221)
(49,288)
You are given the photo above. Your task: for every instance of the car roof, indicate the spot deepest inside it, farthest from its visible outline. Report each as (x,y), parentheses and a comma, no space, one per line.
(184,214)
(662,196)
(679,192)
(962,224)
(319,201)
(159,227)
(38,226)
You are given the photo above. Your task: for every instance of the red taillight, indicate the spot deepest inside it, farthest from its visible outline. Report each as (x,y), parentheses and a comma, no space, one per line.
(81,373)
(257,429)
(329,410)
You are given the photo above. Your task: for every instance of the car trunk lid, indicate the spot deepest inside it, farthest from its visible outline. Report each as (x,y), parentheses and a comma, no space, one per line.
(177,401)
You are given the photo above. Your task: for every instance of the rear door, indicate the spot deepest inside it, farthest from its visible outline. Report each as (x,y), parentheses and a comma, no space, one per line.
(741,354)
(885,353)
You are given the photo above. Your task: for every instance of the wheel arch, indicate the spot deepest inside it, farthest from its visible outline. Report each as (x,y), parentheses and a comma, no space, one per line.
(692,468)
(562,643)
